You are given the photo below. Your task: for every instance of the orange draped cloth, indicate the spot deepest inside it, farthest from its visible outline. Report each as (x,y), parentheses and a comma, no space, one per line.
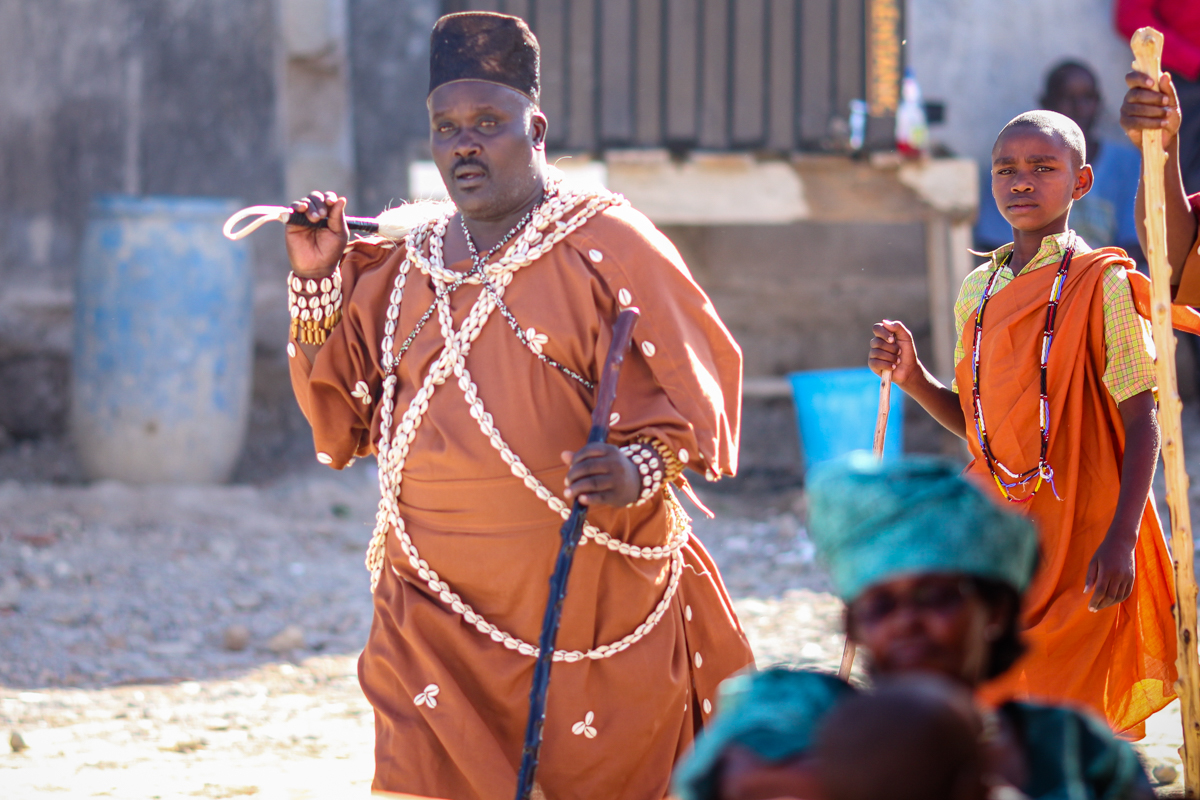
(1119,662)
(451,702)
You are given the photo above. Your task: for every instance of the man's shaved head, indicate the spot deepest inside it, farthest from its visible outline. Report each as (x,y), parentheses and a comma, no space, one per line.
(1051,123)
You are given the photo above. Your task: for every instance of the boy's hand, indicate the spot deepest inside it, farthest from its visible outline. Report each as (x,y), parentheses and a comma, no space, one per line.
(892,348)
(1111,572)
(1148,107)
(601,474)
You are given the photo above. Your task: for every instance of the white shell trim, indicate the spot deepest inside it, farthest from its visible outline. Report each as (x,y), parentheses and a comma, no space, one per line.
(596,256)
(707,707)
(648,349)
(291,350)
(325,458)
(624,297)
(394,444)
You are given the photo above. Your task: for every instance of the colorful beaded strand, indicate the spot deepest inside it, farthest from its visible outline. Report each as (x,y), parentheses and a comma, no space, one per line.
(1043,471)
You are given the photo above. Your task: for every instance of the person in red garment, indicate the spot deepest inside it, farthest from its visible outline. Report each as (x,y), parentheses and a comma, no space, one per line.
(1179,23)
(466,357)
(1148,106)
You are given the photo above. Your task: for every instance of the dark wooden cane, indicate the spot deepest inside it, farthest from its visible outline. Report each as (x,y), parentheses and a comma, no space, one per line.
(570,532)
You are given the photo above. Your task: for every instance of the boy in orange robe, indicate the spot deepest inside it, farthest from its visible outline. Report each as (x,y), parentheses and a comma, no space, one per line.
(1053,392)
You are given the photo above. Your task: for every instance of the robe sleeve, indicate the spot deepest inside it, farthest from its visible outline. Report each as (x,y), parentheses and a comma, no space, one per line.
(339,391)
(682,383)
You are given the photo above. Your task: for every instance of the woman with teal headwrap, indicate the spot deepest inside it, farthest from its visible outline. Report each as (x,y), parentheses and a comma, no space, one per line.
(932,574)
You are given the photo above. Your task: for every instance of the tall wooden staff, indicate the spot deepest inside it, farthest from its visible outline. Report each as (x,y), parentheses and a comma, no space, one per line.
(1147,49)
(885,403)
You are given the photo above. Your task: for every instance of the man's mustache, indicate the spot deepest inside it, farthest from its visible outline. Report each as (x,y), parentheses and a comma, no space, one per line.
(467,162)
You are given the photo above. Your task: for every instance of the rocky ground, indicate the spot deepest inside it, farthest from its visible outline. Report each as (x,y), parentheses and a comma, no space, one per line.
(201,641)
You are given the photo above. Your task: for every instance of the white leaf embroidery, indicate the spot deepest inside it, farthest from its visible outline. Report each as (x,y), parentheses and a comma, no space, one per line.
(427,697)
(585,728)
(362,392)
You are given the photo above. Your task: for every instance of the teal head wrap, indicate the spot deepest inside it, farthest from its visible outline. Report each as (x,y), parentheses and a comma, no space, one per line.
(873,521)
(775,713)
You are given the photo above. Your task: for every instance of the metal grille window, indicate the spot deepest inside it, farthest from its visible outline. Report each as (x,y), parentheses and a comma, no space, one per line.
(754,75)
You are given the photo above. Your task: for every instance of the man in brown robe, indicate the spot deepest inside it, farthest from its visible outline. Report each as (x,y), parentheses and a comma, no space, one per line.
(465,356)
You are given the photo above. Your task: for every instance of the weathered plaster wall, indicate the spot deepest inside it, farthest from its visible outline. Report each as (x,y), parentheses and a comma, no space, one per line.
(136,96)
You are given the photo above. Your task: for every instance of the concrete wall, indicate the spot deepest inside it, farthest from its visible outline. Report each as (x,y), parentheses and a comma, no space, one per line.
(137,96)
(987,60)
(389,63)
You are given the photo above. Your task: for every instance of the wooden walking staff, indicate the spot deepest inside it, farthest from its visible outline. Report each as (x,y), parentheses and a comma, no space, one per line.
(1147,49)
(885,403)
(570,533)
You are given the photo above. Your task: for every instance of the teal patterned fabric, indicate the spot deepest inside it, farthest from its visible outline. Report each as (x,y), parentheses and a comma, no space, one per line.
(1072,756)
(873,521)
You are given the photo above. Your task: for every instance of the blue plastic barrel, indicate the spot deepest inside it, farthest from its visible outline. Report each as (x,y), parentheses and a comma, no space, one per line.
(163,343)
(836,411)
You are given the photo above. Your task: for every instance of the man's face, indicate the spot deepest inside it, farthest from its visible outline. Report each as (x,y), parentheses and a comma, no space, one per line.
(1034,178)
(487,142)
(1077,97)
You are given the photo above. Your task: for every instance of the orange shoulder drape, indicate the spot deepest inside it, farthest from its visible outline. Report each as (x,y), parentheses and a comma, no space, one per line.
(1120,662)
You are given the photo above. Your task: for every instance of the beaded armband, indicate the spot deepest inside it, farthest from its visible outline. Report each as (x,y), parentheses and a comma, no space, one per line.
(315,306)
(672,464)
(650,469)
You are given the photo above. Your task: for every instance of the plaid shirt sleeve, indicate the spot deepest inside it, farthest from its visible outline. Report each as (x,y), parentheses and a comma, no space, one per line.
(968,299)
(1128,344)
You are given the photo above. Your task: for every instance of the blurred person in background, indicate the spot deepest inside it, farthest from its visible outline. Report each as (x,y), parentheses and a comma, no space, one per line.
(914,737)
(1105,215)
(805,735)
(933,574)
(761,742)
(1179,23)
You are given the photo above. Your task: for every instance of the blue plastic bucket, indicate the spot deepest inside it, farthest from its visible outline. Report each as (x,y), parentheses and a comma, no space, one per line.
(163,346)
(836,411)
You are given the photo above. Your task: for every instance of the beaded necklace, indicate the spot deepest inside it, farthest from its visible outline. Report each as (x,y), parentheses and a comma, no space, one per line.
(477,266)
(1043,471)
(481,261)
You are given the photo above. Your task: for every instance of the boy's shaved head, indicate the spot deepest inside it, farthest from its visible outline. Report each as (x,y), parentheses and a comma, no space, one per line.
(1053,124)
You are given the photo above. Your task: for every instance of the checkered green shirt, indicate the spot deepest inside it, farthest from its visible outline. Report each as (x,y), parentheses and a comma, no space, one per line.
(1128,345)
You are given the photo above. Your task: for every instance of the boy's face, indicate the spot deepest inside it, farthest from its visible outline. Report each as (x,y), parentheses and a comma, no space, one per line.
(1035,180)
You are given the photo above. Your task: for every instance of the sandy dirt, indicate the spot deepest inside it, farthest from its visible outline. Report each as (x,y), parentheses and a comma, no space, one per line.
(119,607)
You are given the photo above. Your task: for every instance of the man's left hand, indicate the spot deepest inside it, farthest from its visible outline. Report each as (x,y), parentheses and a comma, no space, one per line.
(601,474)
(1111,572)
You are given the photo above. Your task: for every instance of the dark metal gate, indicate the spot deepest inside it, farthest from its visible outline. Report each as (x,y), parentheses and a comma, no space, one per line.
(754,75)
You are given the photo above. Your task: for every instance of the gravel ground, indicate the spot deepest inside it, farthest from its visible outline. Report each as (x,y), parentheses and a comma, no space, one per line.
(170,642)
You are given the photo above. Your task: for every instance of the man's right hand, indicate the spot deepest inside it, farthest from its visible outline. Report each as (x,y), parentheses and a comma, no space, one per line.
(1147,107)
(892,348)
(315,252)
